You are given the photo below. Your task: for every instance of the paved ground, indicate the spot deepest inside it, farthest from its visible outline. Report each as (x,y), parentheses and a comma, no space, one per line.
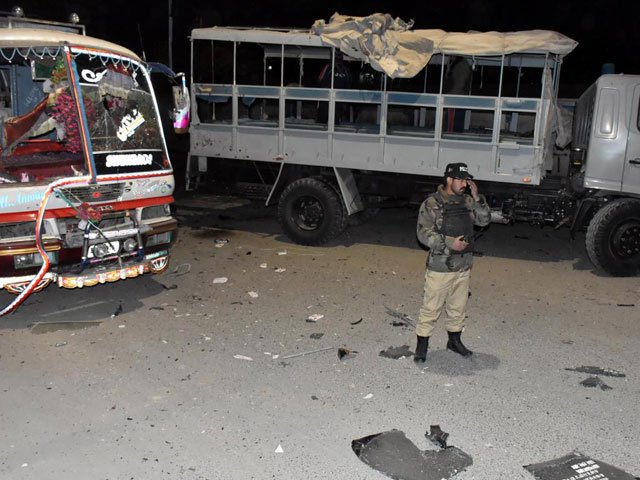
(157,391)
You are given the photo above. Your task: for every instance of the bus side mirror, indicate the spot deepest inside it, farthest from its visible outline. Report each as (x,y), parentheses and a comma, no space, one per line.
(181,106)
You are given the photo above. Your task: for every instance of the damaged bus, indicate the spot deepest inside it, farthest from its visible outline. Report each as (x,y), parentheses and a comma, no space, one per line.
(85,178)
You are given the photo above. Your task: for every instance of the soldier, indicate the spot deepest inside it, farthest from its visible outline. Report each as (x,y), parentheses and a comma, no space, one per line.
(445,226)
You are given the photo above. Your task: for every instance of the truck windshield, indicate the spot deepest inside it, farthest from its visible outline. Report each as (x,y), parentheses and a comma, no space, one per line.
(121,113)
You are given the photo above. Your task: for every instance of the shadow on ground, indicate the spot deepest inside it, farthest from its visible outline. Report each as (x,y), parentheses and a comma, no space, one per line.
(217,216)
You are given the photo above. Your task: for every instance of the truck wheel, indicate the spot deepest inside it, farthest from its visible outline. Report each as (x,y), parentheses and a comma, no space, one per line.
(613,238)
(311,212)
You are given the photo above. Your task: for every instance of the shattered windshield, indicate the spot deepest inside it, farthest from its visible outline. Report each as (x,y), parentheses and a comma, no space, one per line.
(124,127)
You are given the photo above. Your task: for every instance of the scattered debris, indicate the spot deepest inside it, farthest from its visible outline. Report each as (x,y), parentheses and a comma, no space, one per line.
(122,326)
(316,336)
(243,357)
(253,294)
(437,436)
(181,269)
(345,353)
(356,322)
(221,242)
(301,354)
(313,397)
(61,344)
(220,280)
(283,252)
(394,455)
(280,270)
(605,372)
(626,304)
(248,253)
(156,308)
(576,465)
(399,324)
(396,353)
(368,396)
(593,382)
(279,449)
(314,318)
(170,287)
(117,312)
(402,316)
(263,265)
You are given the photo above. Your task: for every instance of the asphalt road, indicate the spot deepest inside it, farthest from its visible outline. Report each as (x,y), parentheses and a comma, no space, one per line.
(194,379)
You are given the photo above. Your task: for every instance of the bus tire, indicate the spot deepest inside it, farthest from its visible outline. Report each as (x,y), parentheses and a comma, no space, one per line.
(311,212)
(613,238)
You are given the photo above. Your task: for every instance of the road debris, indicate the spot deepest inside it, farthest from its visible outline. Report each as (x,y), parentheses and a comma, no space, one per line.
(220,280)
(181,269)
(626,304)
(316,336)
(595,381)
(279,449)
(576,465)
(396,353)
(402,316)
(170,287)
(605,372)
(253,294)
(61,344)
(356,322)
(314,318)
(263,265)
(345,353)
(280,270)
(283,252)
(302,354)
(117,312)
(221,242)
(368,396)
(243,357)
(394,455)
(437,436)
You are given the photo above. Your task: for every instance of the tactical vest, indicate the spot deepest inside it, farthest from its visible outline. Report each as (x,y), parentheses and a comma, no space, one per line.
(457,221)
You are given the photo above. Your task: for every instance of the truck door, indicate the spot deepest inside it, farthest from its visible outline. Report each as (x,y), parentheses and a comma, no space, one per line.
(631,175)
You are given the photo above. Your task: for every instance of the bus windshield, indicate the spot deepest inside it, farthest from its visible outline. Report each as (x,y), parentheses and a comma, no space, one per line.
(123,122)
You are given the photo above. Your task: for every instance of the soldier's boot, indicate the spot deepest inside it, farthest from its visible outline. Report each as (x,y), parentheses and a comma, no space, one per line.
(421,350)
(455,345)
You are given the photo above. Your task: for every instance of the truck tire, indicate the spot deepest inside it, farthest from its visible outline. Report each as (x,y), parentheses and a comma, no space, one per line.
(311,212)
(613,238)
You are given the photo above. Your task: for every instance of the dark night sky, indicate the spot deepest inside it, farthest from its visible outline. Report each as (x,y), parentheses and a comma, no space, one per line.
(607,32)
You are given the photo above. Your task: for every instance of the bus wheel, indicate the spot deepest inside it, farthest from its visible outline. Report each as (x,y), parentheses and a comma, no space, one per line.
(311,212)
(613,238)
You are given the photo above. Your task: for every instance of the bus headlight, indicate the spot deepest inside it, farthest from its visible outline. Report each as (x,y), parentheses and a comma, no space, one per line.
(129,245)
(26,260)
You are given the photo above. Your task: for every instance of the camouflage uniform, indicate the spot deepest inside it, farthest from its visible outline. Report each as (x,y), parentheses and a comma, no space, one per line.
(441,219)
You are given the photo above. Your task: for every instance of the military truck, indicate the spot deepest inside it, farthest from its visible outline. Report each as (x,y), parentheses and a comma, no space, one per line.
(356,111)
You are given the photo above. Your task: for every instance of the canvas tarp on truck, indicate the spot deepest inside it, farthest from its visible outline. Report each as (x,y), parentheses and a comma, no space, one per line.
(390,46)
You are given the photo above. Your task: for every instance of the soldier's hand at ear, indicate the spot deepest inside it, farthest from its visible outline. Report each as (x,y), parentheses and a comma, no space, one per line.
(474,190)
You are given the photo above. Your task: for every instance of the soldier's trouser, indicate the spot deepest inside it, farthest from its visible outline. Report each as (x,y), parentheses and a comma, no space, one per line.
(449,290)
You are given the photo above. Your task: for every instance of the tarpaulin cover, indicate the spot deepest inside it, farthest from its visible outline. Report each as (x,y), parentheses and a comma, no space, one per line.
(390,45)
